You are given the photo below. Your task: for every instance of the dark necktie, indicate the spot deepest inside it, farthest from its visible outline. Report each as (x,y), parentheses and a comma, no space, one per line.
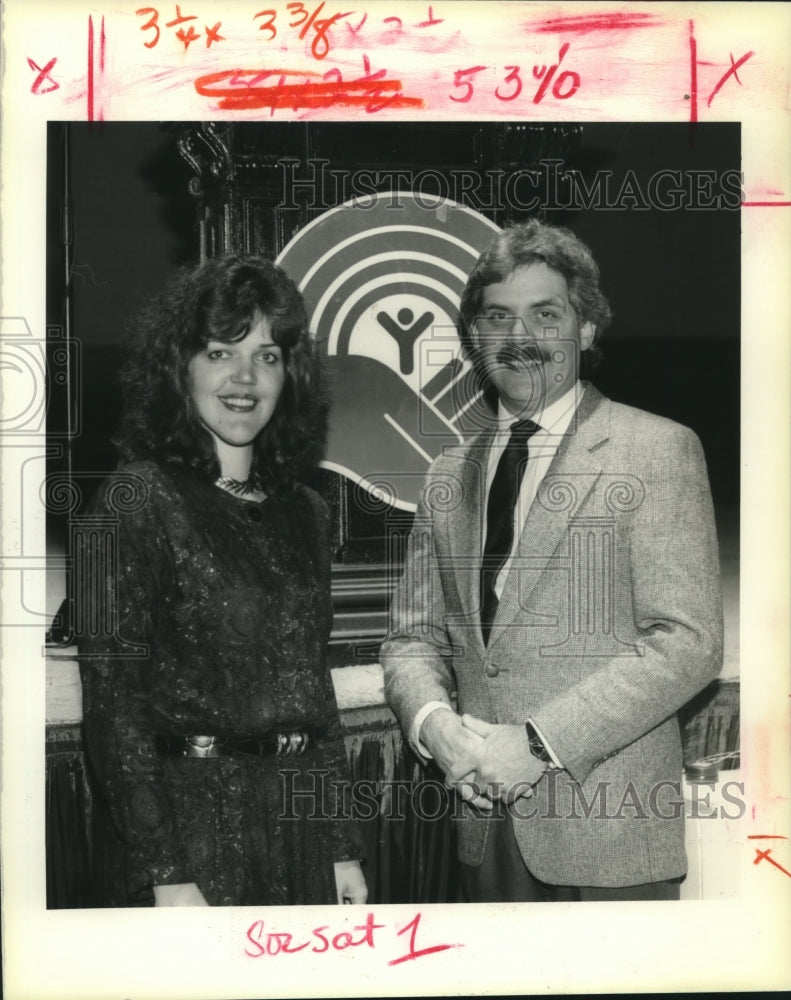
(500,516)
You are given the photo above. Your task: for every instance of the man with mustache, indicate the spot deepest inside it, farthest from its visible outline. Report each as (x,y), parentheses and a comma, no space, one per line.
(559,603)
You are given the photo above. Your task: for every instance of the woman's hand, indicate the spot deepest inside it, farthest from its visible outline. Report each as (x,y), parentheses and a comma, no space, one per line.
(181,894)
(350,882)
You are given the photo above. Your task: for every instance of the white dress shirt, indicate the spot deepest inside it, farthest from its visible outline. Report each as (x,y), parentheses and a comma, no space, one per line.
(554,421)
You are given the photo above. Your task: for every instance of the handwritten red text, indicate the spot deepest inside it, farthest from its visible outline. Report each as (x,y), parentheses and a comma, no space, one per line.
(263,942)
(767,854)
(307,21)
(561,86)
(245,90)
(694,69)
(184,35)
(43,77)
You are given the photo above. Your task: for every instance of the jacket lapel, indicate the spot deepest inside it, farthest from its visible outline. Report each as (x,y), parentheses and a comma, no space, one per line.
(572,475)
(466,532)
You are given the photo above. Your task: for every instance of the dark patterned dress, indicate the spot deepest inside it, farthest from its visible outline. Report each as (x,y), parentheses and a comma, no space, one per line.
(223,615)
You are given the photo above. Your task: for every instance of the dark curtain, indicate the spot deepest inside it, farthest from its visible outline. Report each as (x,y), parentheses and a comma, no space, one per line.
(409,854)
(402,806)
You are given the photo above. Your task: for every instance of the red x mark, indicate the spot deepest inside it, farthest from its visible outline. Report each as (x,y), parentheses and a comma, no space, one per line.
(766,856)
(43,75)
(213,34)
(731,72)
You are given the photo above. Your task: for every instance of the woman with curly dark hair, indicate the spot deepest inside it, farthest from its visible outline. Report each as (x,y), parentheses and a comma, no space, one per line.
(209,713)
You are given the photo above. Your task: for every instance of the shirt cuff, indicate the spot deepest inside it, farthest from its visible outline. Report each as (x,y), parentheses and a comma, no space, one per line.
(547,747)
(420,718)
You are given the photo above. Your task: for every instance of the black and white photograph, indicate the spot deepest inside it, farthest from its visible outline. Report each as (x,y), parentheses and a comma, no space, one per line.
(389,525)
(192,623)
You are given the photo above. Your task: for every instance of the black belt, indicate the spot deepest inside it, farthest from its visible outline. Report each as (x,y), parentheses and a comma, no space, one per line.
(290,742)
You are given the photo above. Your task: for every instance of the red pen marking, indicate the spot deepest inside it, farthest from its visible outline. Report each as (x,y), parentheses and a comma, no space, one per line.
(693,74)
(546,78)
(598,22)
(514,78)
(321,43)
(731,72)
(459,82)
(766,856)
(187,36)
(431,20)
(271,943)
(213,34)
(180,18)
(152,23)
(565,86)
(307,19)
(245,90)
(270,23)
(43,76)
(265,943)
(354,30)
(90,68)
(413,953)
(92,116)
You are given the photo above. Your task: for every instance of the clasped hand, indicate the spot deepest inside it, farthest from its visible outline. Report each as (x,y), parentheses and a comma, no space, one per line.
(481,760)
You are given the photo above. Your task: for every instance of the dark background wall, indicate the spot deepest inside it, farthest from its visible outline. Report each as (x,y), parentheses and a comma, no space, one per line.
(130,224)
(673,280)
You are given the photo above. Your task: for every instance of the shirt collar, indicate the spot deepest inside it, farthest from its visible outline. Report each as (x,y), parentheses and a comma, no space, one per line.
(554,418)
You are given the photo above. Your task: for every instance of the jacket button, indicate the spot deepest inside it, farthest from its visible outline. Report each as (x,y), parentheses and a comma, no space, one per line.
(492,670)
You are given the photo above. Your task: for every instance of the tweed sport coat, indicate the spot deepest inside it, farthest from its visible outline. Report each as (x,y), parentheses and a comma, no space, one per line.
(609,621)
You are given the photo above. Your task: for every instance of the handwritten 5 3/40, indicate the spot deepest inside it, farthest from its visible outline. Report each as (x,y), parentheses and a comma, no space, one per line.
(563,86)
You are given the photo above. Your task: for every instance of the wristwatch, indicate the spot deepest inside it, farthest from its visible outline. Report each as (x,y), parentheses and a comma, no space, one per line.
(537,748)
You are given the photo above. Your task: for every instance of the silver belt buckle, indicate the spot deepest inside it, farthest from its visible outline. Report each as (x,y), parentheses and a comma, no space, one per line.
(293,743)
(201,746)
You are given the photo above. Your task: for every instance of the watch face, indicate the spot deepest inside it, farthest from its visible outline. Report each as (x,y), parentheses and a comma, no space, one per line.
(537,748)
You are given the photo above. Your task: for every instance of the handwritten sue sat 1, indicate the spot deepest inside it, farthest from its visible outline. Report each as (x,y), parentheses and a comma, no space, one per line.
(263,942)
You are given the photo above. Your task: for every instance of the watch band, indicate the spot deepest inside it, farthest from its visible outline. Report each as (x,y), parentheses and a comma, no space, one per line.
(537,748)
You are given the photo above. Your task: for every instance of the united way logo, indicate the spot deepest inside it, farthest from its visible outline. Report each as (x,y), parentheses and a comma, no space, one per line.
(382,277)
